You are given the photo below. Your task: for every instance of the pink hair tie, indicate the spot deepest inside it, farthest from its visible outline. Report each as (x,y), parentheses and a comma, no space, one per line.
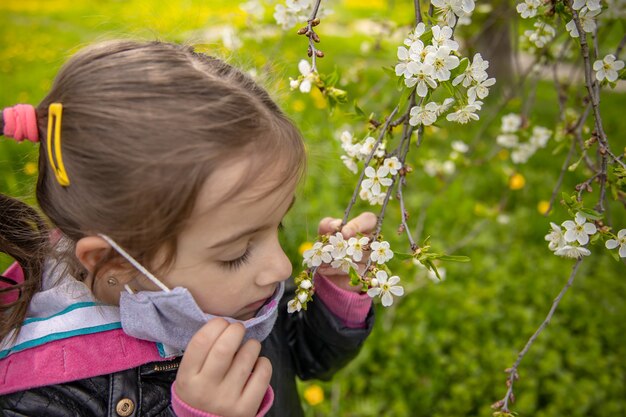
(20,122)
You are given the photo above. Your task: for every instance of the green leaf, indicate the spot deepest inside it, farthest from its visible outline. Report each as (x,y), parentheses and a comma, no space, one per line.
(454,258)
(359,111)
(355,279)
(591,214)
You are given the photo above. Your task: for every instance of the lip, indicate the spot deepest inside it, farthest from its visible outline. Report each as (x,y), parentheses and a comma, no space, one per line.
(257,304)
(260,302)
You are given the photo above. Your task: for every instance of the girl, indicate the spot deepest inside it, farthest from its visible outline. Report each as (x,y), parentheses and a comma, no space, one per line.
(155,285)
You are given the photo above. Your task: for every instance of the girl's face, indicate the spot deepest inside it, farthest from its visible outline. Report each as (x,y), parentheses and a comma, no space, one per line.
(229,256)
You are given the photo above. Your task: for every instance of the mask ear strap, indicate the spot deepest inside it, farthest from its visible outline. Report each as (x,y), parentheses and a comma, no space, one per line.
(134,263)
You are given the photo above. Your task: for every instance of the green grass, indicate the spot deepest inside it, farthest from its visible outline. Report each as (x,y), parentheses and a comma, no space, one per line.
(441,350)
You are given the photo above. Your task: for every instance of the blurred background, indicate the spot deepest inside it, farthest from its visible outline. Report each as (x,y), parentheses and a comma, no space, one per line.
(442,348)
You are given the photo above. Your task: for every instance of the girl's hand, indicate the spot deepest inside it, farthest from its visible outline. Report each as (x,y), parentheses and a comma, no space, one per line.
(364,223)
(219,376)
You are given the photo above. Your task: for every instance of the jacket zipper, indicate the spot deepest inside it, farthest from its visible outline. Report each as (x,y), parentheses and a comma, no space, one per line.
(166,367)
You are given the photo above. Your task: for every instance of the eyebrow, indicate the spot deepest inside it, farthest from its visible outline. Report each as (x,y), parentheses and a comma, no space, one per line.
(248,231)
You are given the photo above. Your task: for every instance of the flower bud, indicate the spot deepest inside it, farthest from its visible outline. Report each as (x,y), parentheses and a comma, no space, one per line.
(306,284)
(374,282)
(315,21)
(315,37)
(319,54)
(302,297)
(302,31)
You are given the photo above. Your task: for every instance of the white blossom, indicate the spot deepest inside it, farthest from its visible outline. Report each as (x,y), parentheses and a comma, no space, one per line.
(442,62)
(591,4)
(305,284)
(579,229)
(405,59)
(442,36)
(620,241)
(253,8)
(422,75)
(305,69)
(522,153)
(480,89)
(381,252)
(376,179)
(572,251)
(507,140)
(477,70)
(355,247)
(294,306)
(460,146)
(316,255)
(371,197)
(350,163)
(555,237)
(542,34)
(443,107)
(450,9)
(426,115)
(367,147)
(344,263)
(587,21)
(528,8)
(465,114)
(540,136)
(393,164)
(302,296)
(338,245)
(386,286)
(511,123)
(415,35)
(608,68)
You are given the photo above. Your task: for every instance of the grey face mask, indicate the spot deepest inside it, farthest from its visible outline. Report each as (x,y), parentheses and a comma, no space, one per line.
(172,317)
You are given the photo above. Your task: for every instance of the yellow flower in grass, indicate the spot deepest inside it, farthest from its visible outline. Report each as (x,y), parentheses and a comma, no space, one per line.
(304,247)
(319,101)
(314,394)
(30,168)
(517,182)
(298,106)
(543,206)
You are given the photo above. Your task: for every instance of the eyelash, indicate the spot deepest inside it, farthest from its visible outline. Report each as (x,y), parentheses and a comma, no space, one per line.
(238,262)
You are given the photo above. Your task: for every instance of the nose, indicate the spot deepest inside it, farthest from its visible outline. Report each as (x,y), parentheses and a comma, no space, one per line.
(277,267)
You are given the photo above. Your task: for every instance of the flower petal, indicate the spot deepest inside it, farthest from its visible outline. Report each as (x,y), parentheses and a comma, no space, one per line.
(397,290)
(387,299)
(373,292)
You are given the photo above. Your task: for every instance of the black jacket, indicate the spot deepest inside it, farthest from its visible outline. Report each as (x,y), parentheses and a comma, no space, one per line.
(308,344)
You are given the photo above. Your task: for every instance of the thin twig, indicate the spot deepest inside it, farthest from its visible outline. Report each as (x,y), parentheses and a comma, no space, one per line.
(311,35)
(513,370)
(355,194)
(595,98)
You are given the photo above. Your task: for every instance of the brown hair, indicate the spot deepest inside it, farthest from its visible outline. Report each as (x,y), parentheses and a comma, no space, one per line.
(144,125)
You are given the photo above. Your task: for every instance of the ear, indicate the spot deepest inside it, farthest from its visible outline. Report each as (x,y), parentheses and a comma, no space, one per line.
(91,250)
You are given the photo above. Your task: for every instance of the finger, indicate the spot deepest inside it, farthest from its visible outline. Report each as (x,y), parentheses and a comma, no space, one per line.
(328,225)
(223,351)
(257,384)
(363,223)
(243,364)
(200,345)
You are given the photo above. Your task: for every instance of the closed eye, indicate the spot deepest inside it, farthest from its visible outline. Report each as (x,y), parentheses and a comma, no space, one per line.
(236,263)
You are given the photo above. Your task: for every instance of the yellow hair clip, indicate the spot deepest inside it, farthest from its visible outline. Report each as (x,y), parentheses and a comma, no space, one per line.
(55,112)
